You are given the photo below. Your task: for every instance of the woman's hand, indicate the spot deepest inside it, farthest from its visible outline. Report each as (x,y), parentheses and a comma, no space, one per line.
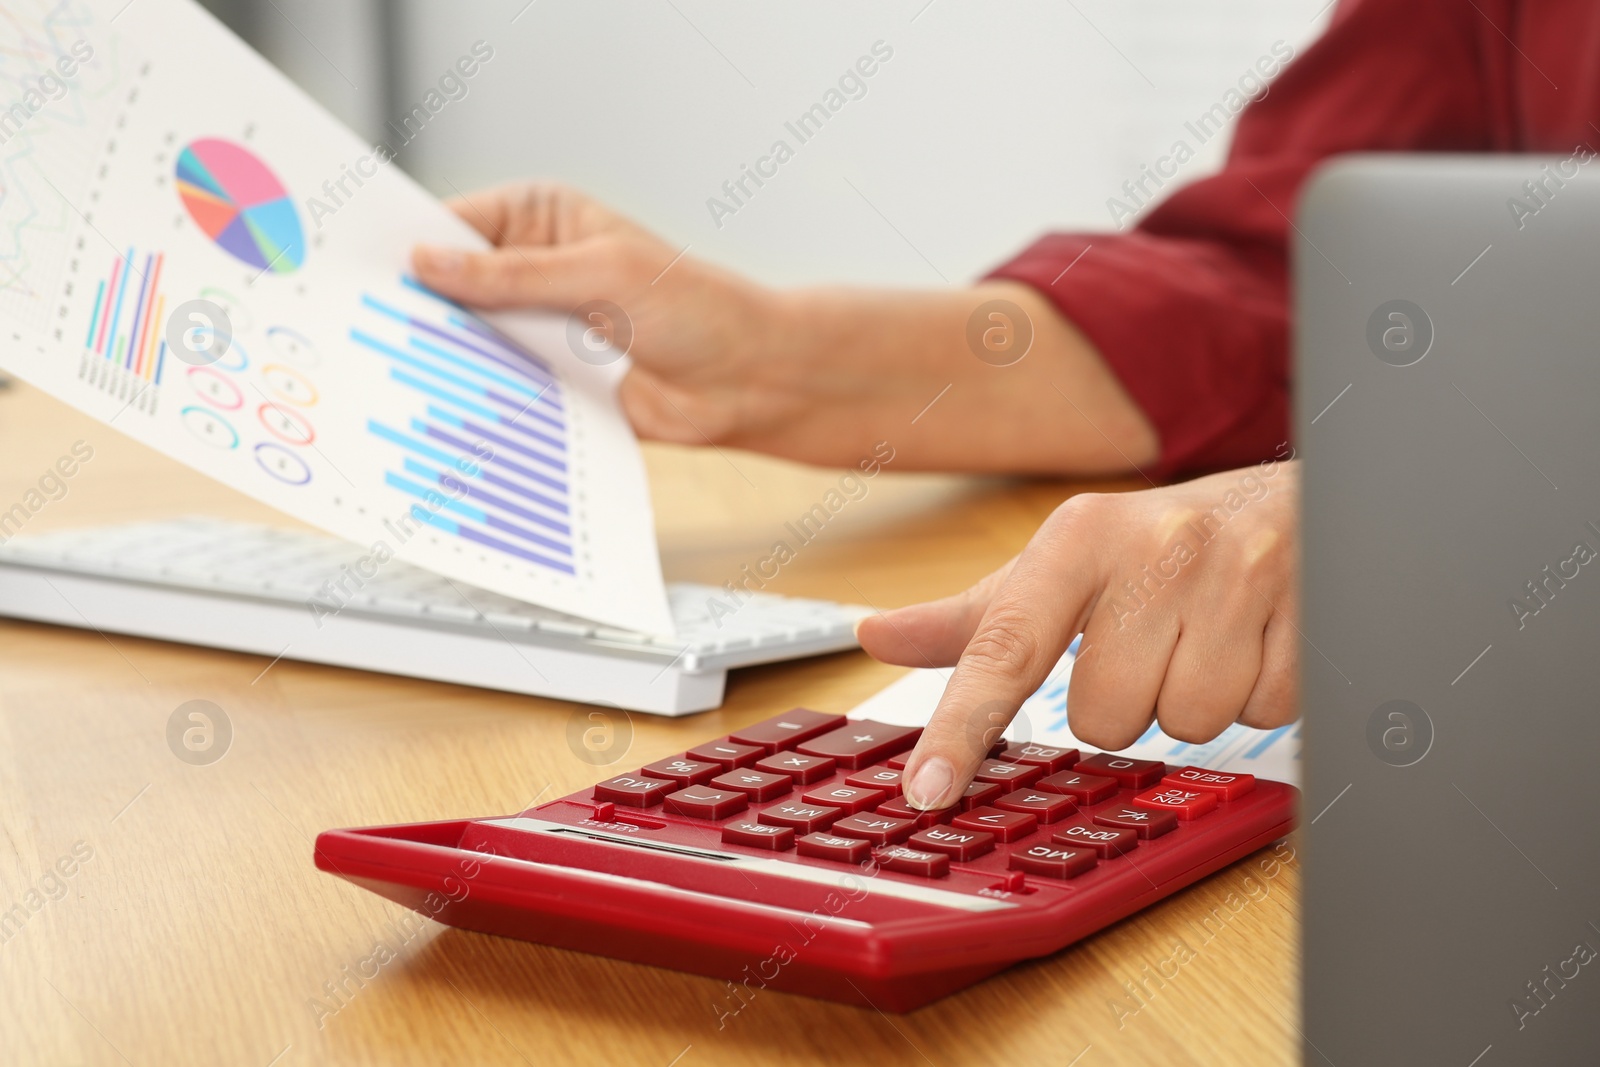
(1186,597)
(694,328)
(819,375)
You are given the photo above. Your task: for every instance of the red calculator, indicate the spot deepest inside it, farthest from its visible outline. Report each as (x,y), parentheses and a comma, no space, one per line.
(784,856)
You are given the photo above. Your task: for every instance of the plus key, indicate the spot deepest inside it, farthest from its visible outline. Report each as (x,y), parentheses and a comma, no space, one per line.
(860,742)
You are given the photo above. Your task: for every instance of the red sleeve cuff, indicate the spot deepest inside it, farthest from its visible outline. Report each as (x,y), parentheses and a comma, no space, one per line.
(1197,332)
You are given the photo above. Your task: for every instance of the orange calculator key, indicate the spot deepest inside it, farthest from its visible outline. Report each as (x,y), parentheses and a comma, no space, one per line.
(1227,786)
(1186,804)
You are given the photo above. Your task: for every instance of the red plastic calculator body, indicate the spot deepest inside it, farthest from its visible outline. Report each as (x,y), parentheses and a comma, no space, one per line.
(783,857)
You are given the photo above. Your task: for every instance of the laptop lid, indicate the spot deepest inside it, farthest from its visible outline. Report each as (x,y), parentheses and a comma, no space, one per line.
(1447,346)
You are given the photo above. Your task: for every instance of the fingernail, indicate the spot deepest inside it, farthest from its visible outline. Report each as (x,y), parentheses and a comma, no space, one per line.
(929,785)
(443,260)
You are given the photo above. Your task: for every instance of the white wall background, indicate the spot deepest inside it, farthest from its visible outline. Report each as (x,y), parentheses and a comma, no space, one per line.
(991,123)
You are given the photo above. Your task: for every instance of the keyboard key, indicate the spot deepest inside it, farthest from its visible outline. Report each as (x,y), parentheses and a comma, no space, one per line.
(879,829)
(802,818)
(1128,773)
(683,770)
(1049,807)
(1084,788)
(703,802)
(1186,804)
(758,835)
(1104,841)
(757,785)
(636,791)
(726,754)
(849,798)
(803,769)
(785,731)
(861,742)
(959,845)
(979,793)
(831,847)
(1006,825)
(914,861)
(1007,774)
(1227,786)
(877,778)
(1142,821)
(1050,758)
(1053,861)
(900,809)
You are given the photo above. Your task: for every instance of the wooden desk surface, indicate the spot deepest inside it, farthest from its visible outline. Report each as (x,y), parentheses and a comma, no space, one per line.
(194,928)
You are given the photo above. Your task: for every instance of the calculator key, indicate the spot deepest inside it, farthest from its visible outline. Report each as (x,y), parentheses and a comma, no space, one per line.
(757,785)
(803,769)
(1049,807)
(1006,825)
(786,730)
(861,742)
(703,802)
(802,818)
(978,794)
(877,778)
(900,809)
(849,798)
(960,845)
(832,847)
(914,861)
(1226,785)
(1049,757)
(1186,804)
(1084,788)
(1010,774)
(879,829)
(1053,861)
(758,835)
(1128,773)
(636,791)
(726,754)
(1142,821)
(1104,841)
(898,763)
(683,770)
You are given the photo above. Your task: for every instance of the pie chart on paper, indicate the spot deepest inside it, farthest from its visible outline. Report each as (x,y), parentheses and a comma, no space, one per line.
(241,205)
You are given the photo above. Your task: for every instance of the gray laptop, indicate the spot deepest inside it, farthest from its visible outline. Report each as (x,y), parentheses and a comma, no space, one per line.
(1448,410)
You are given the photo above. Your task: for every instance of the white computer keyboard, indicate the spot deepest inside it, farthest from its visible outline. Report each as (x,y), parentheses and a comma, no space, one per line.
(265,590)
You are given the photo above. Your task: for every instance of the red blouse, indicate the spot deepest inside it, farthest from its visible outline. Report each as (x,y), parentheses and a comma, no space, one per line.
(1190,307)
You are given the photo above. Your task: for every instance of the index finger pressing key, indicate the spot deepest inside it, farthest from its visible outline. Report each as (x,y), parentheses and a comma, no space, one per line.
(1024,632)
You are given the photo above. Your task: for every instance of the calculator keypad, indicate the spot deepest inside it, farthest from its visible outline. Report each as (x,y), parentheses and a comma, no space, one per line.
(806,787)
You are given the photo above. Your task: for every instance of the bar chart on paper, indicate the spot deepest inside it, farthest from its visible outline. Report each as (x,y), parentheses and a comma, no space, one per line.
(170,267)
(124,352)
(488,444)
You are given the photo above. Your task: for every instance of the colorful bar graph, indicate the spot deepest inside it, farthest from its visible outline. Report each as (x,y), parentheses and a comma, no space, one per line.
(124,351)
(483,455)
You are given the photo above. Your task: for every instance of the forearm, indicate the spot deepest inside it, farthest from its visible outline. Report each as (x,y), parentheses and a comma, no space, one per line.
(951,379)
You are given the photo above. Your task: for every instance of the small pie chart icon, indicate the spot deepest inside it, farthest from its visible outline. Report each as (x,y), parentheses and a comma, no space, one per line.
(241,205)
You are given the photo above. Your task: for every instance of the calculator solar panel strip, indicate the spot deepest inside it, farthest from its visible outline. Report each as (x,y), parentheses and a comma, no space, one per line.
(250,588)
(784,856)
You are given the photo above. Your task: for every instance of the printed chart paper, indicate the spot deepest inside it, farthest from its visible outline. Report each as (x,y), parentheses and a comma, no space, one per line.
(154,170)
(1275,754)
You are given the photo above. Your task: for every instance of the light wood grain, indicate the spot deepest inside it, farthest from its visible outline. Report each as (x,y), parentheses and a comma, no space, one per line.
(199,931)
